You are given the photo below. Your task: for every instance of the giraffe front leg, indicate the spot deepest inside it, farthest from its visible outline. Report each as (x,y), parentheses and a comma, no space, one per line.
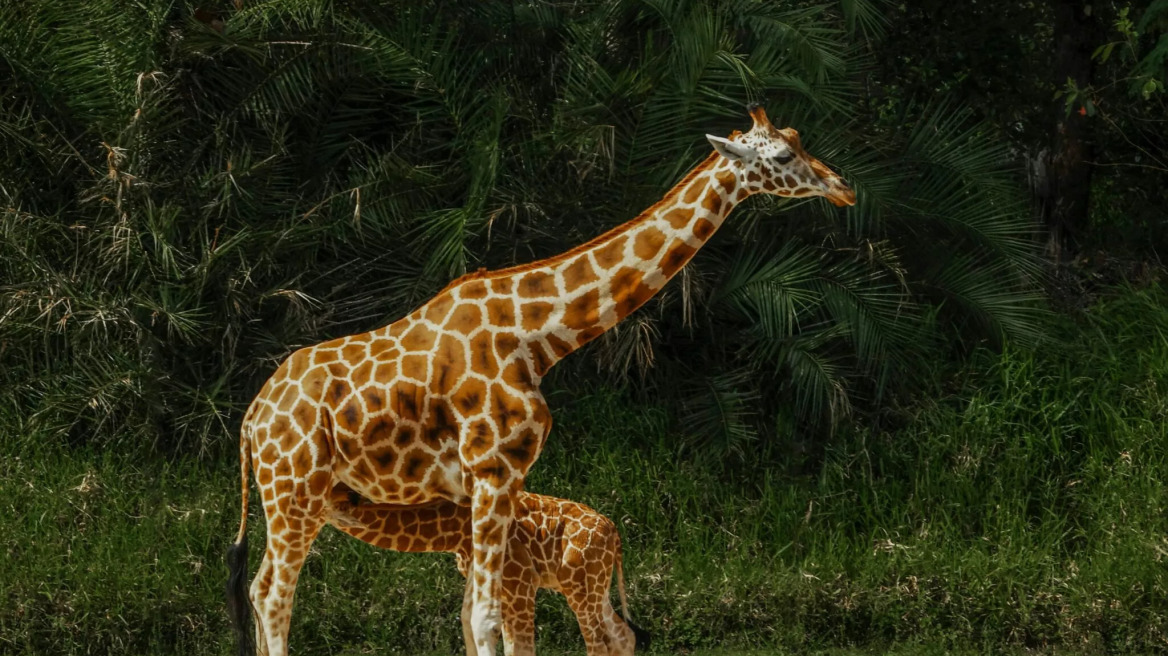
(520,583)
(467,605)
(492,508)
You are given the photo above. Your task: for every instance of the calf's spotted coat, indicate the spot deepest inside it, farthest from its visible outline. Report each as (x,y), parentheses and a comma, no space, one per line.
(554,543)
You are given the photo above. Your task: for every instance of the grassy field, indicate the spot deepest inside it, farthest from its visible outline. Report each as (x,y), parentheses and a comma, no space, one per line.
(1022,507)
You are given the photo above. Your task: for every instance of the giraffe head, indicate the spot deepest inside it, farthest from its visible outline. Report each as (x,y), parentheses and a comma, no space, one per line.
(773,161)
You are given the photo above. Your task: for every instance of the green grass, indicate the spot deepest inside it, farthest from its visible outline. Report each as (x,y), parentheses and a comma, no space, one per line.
(1021,508)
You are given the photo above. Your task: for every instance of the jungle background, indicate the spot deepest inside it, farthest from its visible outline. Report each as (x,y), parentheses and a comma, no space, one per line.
(934,421)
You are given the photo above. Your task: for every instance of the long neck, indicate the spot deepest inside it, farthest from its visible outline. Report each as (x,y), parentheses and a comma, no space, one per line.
(567,301)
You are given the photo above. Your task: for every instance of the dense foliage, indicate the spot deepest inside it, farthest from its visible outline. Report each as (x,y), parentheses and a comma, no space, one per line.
(191,193)
(1004,61)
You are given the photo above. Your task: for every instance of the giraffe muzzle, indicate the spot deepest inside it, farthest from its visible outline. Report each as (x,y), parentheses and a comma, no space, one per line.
(840,194)
(835,189)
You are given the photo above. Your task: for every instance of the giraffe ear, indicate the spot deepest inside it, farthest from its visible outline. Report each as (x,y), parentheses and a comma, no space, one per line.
(731,150)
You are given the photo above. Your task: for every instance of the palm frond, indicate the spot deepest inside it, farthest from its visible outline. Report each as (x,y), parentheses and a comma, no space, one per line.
(718,415)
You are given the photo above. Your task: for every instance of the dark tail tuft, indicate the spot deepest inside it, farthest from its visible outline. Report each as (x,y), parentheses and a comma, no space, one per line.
(642,636)
(238,606)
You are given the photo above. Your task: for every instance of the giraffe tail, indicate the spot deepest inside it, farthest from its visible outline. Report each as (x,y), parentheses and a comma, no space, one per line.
(238,603)
(641,636)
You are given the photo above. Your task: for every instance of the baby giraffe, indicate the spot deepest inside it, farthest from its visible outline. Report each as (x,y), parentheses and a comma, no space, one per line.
(555,544)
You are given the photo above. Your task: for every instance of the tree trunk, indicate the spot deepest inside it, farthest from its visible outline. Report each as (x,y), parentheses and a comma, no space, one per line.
(1077,30)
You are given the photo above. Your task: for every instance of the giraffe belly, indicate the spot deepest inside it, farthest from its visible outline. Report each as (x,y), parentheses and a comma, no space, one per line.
(408,475)
(418,435)
(396,440)
(402,453)
(401,446)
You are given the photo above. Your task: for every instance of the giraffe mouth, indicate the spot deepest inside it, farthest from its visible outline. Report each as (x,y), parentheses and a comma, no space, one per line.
(835,189)
(841,195)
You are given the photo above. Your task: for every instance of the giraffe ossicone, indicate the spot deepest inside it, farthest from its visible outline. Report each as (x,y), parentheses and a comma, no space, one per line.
(445,402)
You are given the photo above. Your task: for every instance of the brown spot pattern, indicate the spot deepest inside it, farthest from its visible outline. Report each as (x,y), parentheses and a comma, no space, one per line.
(406,401)
(501,285)
(694,190)
(448,366)
(726,180)
(611,253)
(679,218)
(588,335)
(437,309)
(542,360)
(473,290)
(414,366)
(468,399)
(578,274)
(535,315)
(418,338)
(558,345)
(712,201)
(583,311)
(505,344)
(679,253)
(501,312)
(482,356)
(518,375)
(648,242)
(536,284)
(703,229)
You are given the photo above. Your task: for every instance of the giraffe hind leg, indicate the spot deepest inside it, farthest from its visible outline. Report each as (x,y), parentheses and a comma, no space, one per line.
(295,512)
(586,580)
(622,636)
(595,633)
(274,587)
(586,603)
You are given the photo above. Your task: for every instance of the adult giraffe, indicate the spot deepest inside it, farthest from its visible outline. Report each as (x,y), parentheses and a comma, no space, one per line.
(445,403)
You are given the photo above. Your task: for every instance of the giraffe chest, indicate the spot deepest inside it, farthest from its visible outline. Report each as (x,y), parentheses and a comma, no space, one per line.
(412,419)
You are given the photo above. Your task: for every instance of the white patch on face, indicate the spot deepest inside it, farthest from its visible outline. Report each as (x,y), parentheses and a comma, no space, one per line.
(778,159)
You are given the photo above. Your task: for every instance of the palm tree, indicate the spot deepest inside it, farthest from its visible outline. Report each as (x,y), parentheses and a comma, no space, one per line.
(190,194)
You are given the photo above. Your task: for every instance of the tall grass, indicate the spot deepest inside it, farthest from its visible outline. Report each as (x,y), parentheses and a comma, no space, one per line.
(1021,507)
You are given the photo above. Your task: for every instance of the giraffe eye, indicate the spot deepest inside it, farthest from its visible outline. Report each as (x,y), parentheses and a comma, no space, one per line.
(783,159)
